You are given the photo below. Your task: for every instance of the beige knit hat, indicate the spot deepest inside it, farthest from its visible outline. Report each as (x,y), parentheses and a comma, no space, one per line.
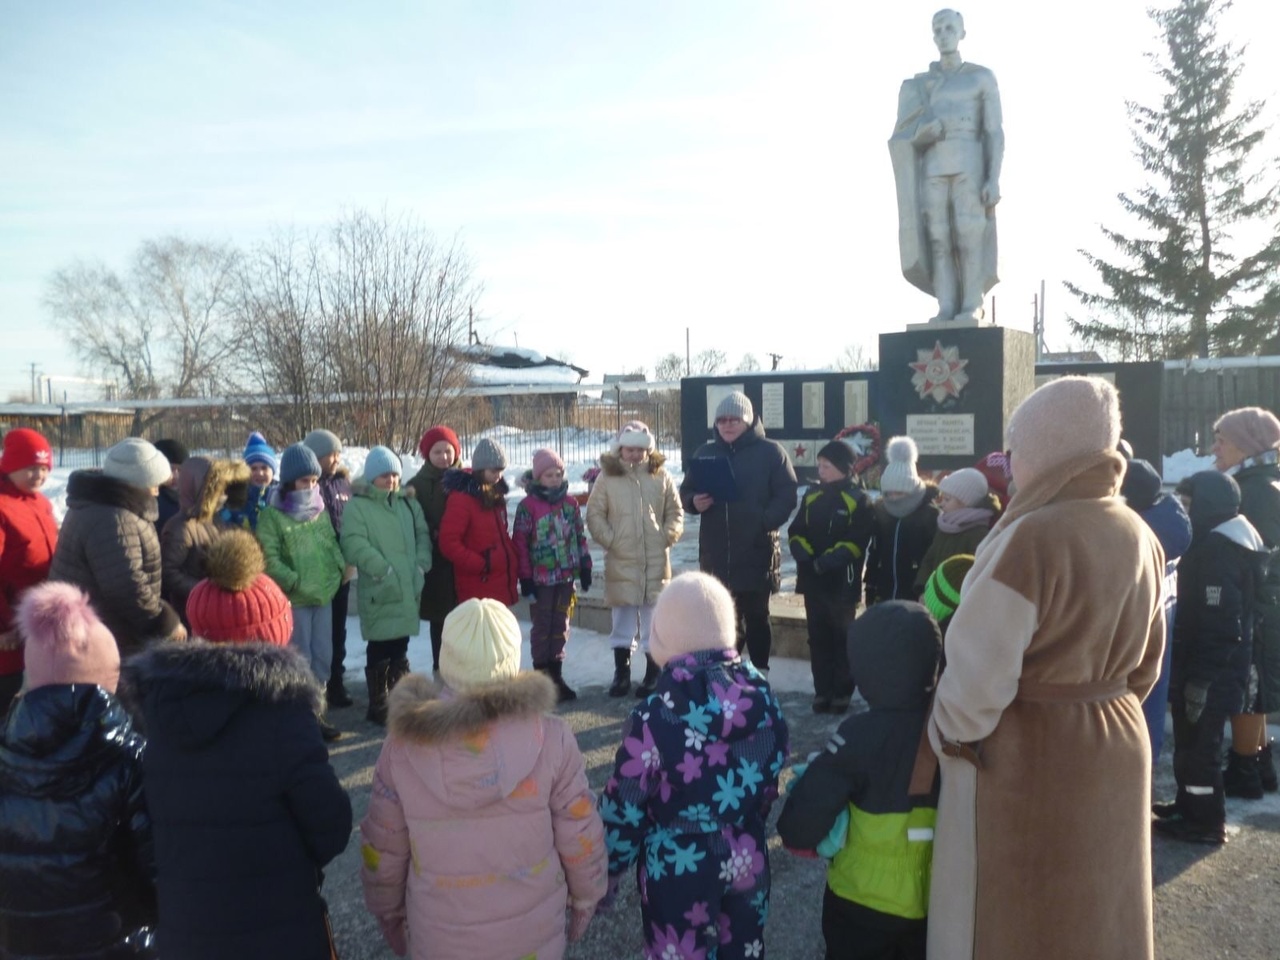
(1067,418)
(481,644)
(1252,430)
(694,612)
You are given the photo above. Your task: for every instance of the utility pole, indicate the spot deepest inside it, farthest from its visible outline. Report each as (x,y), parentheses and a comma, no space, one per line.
(688,355)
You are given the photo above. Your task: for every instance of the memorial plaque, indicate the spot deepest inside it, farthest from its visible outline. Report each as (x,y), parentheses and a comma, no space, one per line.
(813,405)
(855,403)
(942,434)
(772,409)
(803,453)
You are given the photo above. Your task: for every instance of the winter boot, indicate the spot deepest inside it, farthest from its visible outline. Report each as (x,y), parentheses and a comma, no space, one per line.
(650,682)
(328,732)
(1191,831)
(1241,778)
(1267,769)
(376,676)
(564,693)
(621,672)
(399,669)
(336,695)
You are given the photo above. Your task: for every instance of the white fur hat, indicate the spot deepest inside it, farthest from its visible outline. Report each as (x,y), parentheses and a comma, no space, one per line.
(899,475)
(694,612)
(634,434)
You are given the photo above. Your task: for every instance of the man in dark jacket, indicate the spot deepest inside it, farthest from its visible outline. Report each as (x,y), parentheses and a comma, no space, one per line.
(167,500)
(1212,647)
(738,539)
(335,489)
(108,545)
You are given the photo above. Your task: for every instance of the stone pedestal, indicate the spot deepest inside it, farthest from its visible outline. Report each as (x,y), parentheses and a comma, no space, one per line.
(952,389)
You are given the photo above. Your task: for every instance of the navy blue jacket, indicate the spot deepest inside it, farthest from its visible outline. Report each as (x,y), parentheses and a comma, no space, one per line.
(245,807)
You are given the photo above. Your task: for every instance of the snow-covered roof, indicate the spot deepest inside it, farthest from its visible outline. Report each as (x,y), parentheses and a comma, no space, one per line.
(498,365)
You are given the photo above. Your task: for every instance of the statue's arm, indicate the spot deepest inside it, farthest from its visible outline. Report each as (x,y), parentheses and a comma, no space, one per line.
(993,139)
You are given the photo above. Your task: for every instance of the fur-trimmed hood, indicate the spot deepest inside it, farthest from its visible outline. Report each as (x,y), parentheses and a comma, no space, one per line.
(472,750)
(193,688)
(613,465)
(423,711)
(202,484)
(86,487)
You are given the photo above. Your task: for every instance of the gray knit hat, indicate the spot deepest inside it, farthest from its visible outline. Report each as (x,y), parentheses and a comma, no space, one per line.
(136,462)
(736,404)
(323,442)
(488,455)
(298,461)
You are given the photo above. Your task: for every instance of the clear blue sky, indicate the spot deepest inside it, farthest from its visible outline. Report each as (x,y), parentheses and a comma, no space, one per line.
(617,171)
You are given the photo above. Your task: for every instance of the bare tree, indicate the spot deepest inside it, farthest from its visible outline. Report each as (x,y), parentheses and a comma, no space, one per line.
(748,364)
(856,357)
(161,329)
(707,363)
(670,367)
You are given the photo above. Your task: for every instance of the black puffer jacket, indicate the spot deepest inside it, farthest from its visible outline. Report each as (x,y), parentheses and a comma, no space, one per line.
(245,806)
(76,863)
(1260,505)
(738,541)
(898,548)
(108,548)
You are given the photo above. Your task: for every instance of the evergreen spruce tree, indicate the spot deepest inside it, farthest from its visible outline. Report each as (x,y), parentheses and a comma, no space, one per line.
(1183,287)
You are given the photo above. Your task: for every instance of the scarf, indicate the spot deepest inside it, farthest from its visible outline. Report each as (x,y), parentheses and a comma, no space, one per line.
(300,505)
(908,504)
(1092,476)
(965,518)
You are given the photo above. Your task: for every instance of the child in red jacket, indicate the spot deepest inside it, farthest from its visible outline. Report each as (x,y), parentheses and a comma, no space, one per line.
(473,532)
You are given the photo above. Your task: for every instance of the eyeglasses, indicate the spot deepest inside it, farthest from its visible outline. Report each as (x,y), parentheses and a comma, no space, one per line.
(728,421)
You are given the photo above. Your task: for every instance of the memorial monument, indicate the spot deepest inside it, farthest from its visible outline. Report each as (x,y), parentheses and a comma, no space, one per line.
(951,383)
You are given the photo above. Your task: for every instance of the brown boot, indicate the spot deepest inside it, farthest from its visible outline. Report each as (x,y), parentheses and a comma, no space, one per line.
(377,676)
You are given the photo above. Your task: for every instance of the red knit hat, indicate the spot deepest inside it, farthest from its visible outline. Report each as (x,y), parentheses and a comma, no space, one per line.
(25,448)
(434,436)
(238,602)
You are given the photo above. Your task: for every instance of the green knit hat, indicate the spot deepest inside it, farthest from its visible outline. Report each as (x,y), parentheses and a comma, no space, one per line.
(942,591)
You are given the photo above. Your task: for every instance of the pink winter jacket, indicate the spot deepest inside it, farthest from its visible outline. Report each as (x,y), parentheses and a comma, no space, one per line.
(481,827)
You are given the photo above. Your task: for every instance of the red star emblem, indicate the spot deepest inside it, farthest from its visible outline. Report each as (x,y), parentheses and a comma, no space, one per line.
(939,372)
(800,450)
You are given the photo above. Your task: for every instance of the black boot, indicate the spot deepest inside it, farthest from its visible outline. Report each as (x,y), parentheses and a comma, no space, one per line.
(564,692)
(376,676)
(1267,769)
(650,682)
(336,695)
(1179,827)
(621,672)
(399,669)
(1241,778)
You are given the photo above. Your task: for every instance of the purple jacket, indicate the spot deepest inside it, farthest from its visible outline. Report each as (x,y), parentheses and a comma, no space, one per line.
(336,491)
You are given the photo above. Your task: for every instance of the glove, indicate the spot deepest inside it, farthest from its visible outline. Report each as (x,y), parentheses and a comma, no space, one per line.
(1195,694)
(610,894)
(395,930)
(579,917)
(527,588)
(584,575)
(828,561)
(800,552)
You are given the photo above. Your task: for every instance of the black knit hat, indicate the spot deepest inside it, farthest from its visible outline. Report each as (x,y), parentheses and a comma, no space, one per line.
(840,455)
(174,451)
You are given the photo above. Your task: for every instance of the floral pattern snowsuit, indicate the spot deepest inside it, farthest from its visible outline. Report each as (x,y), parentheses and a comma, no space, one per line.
(691,790)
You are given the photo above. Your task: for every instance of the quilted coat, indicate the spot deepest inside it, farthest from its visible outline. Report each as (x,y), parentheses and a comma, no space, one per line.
(481,827)
(76,863)
(303,556)
(202,483)
(384,536)
(108,548)
(634,513)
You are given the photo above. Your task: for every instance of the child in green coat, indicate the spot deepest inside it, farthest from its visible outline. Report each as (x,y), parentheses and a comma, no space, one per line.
(385,537)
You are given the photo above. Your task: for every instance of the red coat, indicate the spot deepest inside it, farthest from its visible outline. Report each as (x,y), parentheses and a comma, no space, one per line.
(28,535)
(474,538)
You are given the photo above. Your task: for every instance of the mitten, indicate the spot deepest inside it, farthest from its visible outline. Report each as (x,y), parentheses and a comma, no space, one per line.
(1195,693)
(827,561)
(584,575)
(395,930)
(527,587)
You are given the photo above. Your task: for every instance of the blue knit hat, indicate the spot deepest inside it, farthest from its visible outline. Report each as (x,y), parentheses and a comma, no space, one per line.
(257,450)
(298,461)
(381,460)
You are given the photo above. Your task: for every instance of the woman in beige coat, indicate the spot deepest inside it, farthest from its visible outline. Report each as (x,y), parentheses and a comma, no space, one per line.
(1043,845)
(634,513)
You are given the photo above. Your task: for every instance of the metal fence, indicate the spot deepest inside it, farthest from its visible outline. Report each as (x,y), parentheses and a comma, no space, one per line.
(578,426)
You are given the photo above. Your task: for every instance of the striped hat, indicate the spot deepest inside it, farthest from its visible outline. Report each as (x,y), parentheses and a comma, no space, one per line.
(942,592)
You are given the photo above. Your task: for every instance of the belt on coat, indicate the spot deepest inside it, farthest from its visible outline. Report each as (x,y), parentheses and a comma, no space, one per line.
(1031,691)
